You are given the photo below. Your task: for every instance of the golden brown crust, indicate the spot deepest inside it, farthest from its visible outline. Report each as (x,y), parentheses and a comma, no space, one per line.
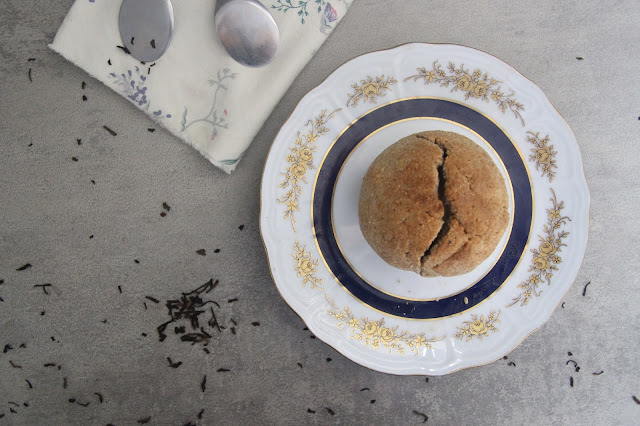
(412,226)
(400,212)
(454,238)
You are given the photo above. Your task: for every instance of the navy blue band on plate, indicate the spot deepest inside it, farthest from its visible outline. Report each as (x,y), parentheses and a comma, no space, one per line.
(326,180)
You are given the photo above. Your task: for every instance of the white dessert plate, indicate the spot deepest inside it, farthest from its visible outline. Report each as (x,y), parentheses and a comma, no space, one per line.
(397,321)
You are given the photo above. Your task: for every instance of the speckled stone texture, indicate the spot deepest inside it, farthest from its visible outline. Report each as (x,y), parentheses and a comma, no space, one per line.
(50,208)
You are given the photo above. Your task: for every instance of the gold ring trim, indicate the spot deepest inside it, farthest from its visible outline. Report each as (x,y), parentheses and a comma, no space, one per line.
(509,228)
(330,147)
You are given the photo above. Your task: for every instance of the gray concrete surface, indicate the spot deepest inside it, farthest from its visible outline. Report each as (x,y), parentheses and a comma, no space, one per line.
(49,209)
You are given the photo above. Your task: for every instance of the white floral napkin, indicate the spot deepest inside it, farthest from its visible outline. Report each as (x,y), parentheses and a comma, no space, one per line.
(195,90)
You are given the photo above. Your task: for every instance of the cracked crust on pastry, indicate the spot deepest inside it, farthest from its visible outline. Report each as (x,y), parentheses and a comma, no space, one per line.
(433,203)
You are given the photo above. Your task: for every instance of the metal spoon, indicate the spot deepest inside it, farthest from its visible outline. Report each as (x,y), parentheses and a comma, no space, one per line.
(146,27)
(247,31)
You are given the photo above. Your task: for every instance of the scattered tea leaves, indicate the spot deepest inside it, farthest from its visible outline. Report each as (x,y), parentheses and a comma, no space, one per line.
(29,383)
(330,411)
(213,321)
(598,373)
(571,381)
(217,250)
(44,287)
(203,383)
(151,129)
(174,364)
(235,299)
(7,348)
(124,49)
(424,416)
(30,79)
(14,365)
(222,370)
(241,227)
(201,252)
(190,307)
(199,415)
(108,129)
(23,267)
(309,410)
(584,291)
(511,364)
(635,398)
(144,420)
(364,389)
(99,395)
(153,299)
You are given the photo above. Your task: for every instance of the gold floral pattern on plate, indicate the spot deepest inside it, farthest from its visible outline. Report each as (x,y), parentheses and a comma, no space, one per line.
(369,89)
(545,256)
(478,327)
(377,334)
(306,267)
(474,84)
(543,155)
(300,160)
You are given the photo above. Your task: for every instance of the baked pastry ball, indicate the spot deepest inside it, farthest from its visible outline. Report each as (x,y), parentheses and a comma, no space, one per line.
(433,203)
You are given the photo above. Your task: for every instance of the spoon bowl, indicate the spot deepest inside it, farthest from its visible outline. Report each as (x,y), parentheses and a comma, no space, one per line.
(146,27)
(247,31)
